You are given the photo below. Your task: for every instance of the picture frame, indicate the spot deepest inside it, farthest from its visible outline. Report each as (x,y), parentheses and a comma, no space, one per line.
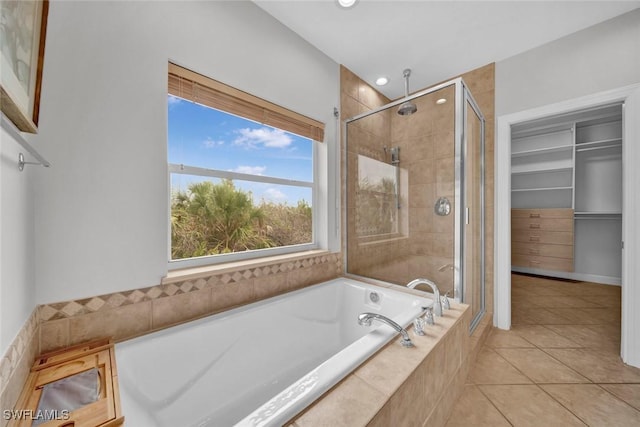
(23,27)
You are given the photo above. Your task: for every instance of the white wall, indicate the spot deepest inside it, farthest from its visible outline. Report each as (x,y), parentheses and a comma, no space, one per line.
(580,70)
(17,278)
(602,57)
(101,210)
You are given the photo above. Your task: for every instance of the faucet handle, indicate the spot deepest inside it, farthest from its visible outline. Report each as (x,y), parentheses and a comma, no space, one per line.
(418,326)
(428,316)
(445,301)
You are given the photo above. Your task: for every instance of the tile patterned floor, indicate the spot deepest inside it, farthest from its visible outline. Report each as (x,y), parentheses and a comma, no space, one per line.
(558,365)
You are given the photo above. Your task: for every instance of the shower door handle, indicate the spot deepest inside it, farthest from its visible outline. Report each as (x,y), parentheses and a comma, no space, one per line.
(466,216)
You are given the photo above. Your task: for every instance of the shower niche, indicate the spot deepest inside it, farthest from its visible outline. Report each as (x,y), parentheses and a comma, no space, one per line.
(415,192)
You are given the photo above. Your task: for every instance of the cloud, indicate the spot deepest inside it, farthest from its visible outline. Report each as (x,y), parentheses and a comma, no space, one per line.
(253,170)
(173,100)
(274,195)
(265,137)
(210,143)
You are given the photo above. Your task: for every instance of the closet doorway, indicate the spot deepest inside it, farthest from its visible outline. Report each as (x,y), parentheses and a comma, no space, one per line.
(566,196)
(561,179)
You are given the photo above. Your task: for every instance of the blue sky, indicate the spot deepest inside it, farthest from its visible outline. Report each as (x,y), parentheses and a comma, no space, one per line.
(204,137)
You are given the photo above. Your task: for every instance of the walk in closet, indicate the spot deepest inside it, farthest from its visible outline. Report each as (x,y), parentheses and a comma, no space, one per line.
(566,195)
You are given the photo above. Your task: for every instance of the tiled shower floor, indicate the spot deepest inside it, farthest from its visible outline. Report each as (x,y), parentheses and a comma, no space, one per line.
(559,365)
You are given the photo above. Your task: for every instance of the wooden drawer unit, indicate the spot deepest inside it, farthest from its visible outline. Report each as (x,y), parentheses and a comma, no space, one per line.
(536,236)
(93,401)
(542,213)
(542,239)
(540,249)
(547,224)
(542,262)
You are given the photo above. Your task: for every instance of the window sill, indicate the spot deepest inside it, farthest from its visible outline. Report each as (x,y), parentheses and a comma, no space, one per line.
(193,273)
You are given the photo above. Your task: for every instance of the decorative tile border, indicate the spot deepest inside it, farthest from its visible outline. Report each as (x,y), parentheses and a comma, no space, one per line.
(20,346)
(68,309)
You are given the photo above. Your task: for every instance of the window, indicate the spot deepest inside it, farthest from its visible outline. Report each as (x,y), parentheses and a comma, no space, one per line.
(242,176)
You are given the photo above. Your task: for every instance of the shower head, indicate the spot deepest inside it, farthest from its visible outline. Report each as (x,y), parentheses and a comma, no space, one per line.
(407,108)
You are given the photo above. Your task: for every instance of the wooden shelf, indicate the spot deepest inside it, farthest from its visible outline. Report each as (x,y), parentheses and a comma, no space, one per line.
(102,411)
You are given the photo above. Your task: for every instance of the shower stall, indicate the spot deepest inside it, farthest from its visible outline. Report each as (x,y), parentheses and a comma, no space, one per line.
(415,192)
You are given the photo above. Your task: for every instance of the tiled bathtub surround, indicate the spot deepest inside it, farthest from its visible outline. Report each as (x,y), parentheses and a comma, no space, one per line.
(181,297)
(16,363)
(402,386)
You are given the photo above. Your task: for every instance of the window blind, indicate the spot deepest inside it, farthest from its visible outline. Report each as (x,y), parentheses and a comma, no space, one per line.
(195,87)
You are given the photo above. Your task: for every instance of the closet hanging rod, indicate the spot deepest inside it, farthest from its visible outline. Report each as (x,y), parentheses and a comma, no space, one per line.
(597,217)
(598,148)
(13,131)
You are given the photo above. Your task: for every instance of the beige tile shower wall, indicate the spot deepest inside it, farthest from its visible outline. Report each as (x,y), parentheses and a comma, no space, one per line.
(426,138)
(373,133)
(427,152)
(125,315)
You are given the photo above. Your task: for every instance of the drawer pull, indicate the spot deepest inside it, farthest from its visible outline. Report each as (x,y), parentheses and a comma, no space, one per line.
(534,238)
(533,215)
(534,251)
(534,225)
(534,263)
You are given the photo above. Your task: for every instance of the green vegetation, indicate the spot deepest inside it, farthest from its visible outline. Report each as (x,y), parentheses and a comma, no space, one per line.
(210,219)
(376,207)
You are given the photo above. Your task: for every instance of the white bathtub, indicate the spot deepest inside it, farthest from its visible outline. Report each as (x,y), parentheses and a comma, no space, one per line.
(257,365)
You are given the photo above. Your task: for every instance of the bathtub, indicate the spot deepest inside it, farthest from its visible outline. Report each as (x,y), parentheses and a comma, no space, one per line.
(260,364)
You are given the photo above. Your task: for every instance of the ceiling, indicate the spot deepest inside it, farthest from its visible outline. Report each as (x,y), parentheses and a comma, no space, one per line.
(436,39)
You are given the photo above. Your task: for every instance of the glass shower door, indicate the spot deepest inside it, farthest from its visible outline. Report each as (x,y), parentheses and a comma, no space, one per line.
(473,218)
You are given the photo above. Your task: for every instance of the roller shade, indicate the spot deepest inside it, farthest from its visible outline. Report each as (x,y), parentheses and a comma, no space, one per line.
(195,87)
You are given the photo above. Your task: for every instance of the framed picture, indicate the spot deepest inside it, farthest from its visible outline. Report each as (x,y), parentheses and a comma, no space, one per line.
(23,26)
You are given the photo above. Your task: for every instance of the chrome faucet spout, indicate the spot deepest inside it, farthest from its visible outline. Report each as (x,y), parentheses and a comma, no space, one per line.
(365,319)
(437,302)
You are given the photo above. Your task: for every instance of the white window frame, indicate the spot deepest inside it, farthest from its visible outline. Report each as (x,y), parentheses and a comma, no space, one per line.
(255,253)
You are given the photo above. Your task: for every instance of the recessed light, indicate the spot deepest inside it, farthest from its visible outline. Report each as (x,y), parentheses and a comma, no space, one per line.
(381,81)
(346,4)
(441,101)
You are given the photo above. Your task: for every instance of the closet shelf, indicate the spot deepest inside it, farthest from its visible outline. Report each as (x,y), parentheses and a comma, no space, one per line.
(611,141)
(541,170)
(542,151)
(597,213)
(518,190)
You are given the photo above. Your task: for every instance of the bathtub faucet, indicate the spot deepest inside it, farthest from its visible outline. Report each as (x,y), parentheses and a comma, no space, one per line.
(437,302)
(365,319)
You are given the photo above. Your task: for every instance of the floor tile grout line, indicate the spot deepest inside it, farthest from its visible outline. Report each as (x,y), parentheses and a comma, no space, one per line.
(560,403)
(514,367)
(535,382)
(493,404)
(569,367)
(563,336)
(617,398)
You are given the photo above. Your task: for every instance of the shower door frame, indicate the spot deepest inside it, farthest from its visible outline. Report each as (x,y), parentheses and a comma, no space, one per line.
(462,97)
